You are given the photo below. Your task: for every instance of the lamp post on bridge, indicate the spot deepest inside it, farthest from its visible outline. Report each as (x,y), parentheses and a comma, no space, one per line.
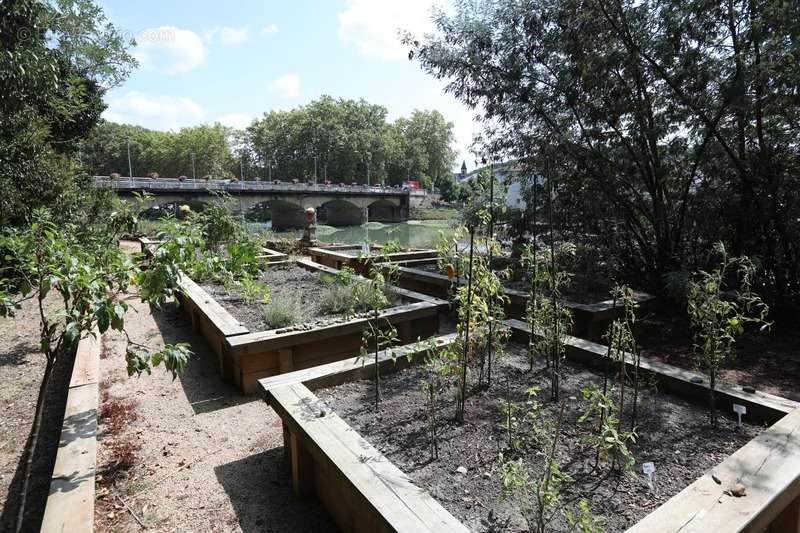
(194,175)
(130,166)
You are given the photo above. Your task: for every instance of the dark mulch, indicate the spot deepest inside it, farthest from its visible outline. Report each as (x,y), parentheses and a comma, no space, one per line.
(673,434)
(285,282)
(768,361)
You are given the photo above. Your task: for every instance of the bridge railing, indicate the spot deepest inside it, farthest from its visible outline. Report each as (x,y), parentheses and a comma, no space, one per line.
(160,184)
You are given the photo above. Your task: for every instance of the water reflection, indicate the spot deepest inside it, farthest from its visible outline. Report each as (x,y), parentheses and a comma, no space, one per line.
(414,233)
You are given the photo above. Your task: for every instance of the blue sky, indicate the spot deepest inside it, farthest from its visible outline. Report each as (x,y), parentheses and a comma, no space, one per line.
(230,61)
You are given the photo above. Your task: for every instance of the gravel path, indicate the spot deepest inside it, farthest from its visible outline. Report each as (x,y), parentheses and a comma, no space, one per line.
(207,459)
(21,370)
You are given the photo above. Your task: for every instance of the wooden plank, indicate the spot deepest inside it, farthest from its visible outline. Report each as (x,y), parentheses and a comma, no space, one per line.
(211,309)
(400,504)
(70,504)
(302,467)
(275,339)
(86,368)
(285,360)
(760,405)
(347,369)
(768,466)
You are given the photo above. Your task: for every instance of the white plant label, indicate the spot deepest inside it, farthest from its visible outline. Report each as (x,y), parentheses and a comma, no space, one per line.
(739,410)
(649,469)
(365,249)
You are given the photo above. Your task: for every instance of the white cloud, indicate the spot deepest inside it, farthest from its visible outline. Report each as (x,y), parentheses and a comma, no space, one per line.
(374,25)
(169,49)
(227,35)
(235,120)
(269,29)
(233,36)
(288,85)
(160,112)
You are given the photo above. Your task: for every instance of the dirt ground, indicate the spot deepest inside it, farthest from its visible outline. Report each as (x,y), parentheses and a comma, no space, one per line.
(21,370)
(672,433)
(285,283)
(768,361)
(204,457)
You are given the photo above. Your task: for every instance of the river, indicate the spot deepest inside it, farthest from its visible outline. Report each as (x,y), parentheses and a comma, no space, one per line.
(413,234)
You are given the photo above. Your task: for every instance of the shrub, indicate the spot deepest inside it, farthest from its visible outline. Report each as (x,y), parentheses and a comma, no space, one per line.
(344,299)
(283,312)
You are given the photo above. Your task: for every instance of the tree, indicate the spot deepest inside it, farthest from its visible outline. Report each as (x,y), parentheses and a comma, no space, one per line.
(346,137)
(718,317)
(645,106)
(57,60)
(88,276)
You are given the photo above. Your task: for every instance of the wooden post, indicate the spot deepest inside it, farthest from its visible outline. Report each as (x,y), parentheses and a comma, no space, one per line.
(404,332)
(789,519)
(285,360)
(287,444)
(302,467)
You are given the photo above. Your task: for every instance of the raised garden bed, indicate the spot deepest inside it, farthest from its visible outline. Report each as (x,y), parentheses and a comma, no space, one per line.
(589,320)
(767,465)
(246,354)
(339,256)
(400,432)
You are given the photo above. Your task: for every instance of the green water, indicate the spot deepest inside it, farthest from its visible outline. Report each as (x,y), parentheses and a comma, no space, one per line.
(414,233)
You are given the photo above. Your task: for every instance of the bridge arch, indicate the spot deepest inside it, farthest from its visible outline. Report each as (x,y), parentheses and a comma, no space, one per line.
(384,210)
(284,215)
(338,212)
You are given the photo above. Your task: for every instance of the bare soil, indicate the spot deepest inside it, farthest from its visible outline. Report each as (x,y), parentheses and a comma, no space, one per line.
(672,433)
(286,282)
(768,361)
(189,454)
(21,369)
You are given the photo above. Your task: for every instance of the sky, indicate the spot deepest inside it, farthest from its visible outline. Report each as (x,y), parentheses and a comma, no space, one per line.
(231,61)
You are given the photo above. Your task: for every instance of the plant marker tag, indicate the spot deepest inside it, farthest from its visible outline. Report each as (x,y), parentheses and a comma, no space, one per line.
(365,249)
(649,469)
(739,410)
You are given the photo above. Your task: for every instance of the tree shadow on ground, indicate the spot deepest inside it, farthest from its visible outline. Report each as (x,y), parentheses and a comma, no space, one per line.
(44,456)
(201,382)
(19,354)
(260,489)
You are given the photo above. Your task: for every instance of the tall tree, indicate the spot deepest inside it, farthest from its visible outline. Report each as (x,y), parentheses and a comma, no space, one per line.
(56,62)
(641,104)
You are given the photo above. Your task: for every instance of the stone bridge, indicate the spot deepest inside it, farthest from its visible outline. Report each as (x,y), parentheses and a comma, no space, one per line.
(336,205)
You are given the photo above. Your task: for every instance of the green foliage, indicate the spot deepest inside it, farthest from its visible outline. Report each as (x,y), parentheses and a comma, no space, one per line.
(89,279)
(346,136)
(609,441)
(105,151)
(217,223)
(584,521)
(174,356)
(718,313)
(284,312)
(441,365)
(57,59)
(392,247)
(522,423)
(253,291)
(666,123)
(548,318)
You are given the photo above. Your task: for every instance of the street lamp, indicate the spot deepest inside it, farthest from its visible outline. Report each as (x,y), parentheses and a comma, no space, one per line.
(315,169)
(130,167)
(194,174)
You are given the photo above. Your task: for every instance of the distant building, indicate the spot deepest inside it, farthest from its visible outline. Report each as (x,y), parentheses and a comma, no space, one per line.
(510,173)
